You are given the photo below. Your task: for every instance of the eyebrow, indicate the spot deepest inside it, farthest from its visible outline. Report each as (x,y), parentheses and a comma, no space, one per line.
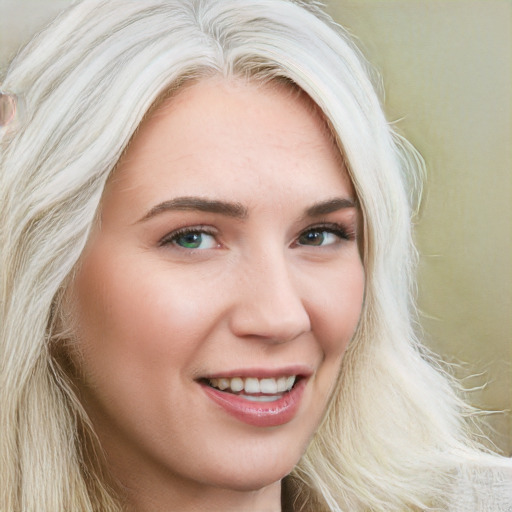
(237,210)
(330,206)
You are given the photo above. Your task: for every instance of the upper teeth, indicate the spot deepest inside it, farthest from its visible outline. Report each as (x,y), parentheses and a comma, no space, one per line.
(253,385)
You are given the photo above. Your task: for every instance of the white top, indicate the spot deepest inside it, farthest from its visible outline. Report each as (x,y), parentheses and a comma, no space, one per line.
(490,490)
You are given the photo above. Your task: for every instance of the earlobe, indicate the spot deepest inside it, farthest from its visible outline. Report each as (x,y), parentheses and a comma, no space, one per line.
(8,108)
(62,323)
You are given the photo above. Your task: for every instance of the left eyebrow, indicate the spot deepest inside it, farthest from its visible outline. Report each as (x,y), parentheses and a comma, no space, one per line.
(330,206)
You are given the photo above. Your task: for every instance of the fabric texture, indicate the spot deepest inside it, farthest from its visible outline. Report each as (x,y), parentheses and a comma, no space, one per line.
(490,491)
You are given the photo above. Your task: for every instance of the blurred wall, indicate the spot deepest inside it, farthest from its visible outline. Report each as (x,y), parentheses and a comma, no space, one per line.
(447,68)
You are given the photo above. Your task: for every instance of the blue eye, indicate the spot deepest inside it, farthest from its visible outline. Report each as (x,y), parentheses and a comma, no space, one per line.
(322,236)
(191,239)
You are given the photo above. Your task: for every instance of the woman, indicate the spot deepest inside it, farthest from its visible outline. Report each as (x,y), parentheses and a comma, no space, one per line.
(206,275)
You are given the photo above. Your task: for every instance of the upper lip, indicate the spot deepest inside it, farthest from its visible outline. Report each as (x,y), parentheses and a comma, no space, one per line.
(300,370)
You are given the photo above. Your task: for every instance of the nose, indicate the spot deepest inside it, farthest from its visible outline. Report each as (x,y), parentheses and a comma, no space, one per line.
(267,303)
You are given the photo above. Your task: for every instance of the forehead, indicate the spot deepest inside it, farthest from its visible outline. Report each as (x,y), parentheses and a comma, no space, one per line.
(221,136)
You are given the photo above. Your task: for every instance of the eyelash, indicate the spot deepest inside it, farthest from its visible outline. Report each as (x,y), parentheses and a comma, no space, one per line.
(336,229)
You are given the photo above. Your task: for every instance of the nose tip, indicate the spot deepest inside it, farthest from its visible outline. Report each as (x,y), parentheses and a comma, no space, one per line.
(269,308)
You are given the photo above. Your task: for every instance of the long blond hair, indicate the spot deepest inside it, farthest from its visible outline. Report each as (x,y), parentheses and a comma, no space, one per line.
(395,433)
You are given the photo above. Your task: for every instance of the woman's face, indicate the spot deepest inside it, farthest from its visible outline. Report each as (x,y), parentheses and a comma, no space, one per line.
(225,257)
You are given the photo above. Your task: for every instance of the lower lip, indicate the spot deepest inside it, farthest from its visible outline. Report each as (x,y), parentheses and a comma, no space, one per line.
(259,414)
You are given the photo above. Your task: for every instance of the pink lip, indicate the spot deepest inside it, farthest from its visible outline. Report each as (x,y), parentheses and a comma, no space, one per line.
(259,414)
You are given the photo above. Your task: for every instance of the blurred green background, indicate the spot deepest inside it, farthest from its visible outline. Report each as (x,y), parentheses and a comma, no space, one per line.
(447,74)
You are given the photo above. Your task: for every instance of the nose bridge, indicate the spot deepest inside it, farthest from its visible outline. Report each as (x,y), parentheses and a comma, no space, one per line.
(269,304)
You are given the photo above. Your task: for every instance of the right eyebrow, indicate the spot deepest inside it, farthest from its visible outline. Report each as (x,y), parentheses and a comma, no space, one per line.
(330,206)
(201,204)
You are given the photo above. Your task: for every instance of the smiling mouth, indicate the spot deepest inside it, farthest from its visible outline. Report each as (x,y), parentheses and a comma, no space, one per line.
(254,389)
(263,401)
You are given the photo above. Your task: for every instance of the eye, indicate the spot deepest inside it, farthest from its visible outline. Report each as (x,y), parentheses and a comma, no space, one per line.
(191,239)
(322,235)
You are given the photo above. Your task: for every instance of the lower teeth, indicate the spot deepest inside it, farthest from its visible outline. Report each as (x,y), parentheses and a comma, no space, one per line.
(261,398)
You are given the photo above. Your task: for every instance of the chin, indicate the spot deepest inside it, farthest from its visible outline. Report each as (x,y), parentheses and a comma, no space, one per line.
(253,482)
(246,477)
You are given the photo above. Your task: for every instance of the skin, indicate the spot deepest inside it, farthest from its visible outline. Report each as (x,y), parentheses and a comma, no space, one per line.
(269,288)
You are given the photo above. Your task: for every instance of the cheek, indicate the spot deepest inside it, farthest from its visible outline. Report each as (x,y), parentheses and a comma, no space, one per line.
(335,317)
(336,307)
(129,322)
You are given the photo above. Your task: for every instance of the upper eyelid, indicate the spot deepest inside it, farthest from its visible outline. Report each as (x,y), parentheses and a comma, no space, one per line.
(323,224)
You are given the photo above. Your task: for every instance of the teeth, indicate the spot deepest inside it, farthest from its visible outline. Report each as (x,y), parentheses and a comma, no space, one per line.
(252,385)
(270,386)
(223,383)
(237,384)
(261,398)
